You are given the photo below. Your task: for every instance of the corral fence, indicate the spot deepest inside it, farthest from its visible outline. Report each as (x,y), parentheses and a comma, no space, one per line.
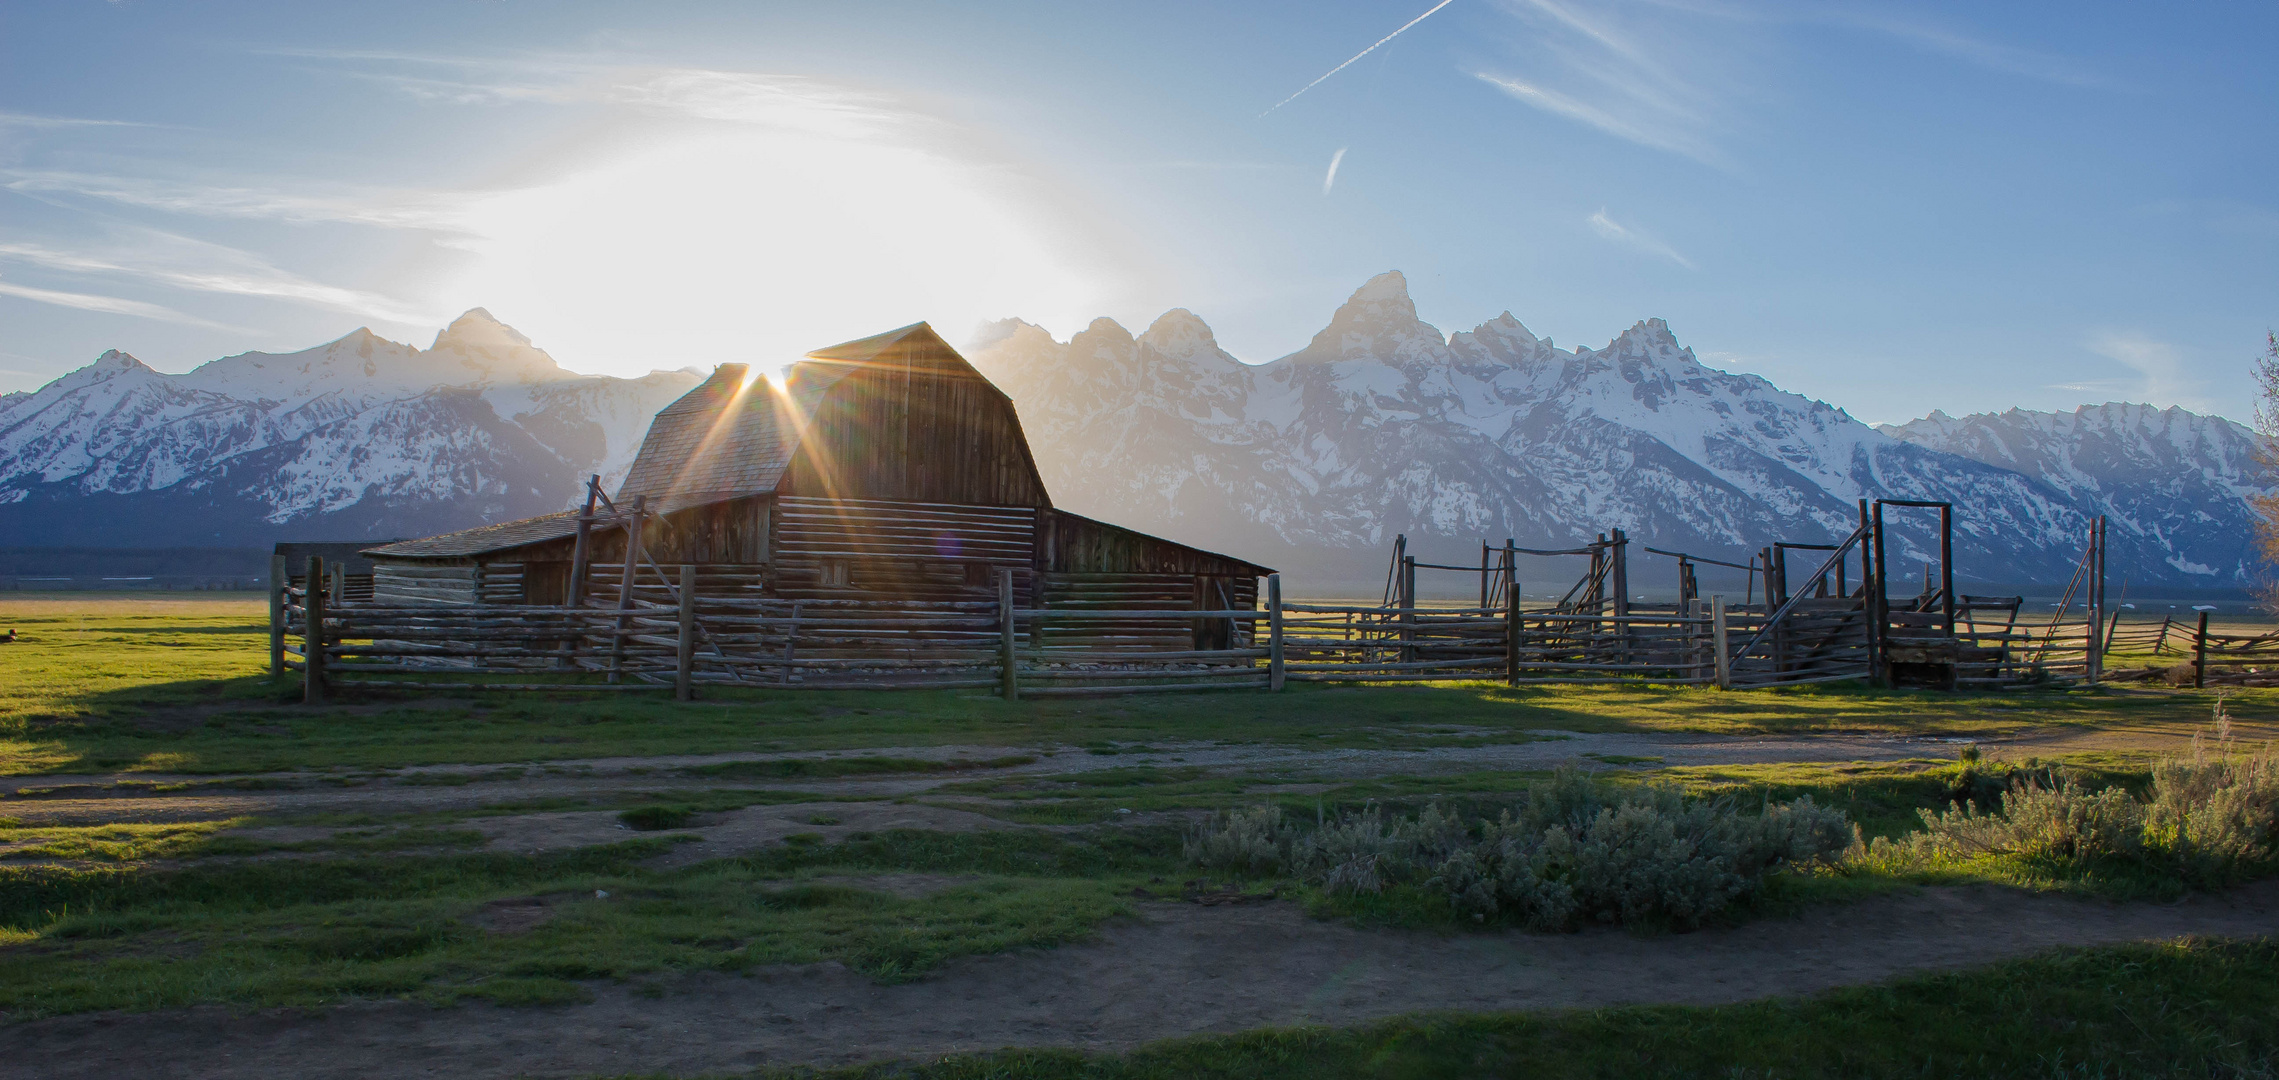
(680,631)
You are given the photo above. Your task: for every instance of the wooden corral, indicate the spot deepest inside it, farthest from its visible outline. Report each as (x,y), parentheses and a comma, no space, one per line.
(885,470)
(348,564)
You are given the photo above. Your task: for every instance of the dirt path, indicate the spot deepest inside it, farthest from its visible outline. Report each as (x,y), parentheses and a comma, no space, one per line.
(131,797)
(1182,970)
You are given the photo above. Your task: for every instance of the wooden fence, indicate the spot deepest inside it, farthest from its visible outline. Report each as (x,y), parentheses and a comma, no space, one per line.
(682,631)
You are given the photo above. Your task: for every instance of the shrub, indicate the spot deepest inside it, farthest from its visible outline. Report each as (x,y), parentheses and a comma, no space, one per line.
(2214,817)
(1576,850)
(2211,818)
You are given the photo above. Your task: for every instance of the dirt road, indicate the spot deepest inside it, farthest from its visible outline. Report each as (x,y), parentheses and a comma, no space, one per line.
(1180,970)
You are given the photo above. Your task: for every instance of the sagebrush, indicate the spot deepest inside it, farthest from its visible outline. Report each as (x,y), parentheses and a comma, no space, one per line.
(1575,850)
(2209,819)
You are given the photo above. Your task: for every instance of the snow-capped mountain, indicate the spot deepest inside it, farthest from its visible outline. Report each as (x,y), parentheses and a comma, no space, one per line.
(1384,425)
(2174,485)
(359,438)
(1380,425)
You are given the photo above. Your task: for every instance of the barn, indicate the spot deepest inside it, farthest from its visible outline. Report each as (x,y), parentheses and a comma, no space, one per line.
(886,468)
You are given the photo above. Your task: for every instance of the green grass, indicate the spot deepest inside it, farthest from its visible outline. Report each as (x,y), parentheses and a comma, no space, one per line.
(177,685)
(120,842)
(286,932)
(2185,1009)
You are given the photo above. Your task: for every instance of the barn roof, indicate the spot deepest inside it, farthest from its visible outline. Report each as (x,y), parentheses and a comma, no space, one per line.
(730,436)
(486,538)
(735,434)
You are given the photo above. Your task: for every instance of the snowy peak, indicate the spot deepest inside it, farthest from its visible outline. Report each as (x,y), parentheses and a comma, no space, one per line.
(1378,320)
(361,429)
(478,329)
(1178,332)
(1381,426)
(1649,338)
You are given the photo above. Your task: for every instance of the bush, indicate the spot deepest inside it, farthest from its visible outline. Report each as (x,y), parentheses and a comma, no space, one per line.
(2211,818)
(1576,850)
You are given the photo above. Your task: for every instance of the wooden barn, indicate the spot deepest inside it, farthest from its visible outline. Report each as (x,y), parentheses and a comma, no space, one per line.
(886,469)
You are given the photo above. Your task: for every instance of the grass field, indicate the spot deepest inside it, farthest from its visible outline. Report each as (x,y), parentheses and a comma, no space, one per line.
(179,685)
(248,906)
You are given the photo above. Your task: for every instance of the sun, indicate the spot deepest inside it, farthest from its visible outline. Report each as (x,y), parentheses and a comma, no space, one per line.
(755,246)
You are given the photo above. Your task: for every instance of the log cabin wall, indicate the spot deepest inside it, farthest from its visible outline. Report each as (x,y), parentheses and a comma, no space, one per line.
(446,583)
(896,550)
(1089,564)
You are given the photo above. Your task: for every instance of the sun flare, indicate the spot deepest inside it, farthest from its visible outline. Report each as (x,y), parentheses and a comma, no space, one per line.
(757,245)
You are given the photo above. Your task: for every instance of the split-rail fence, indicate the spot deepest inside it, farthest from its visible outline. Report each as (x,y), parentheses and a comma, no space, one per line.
(677,630)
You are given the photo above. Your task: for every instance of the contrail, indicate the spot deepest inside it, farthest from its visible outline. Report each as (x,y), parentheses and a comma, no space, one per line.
(1334,159)
(1356,56)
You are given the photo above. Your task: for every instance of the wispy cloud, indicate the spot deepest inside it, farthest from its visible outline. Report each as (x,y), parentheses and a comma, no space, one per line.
(1954,43)
(1623,234)
(1230,166)
(2161,378)
(1646,134)
(179,262)
(1335,160)
(385,208)
(9,119)
(1681,75)
(109,305)
(782,102)
(1356,56)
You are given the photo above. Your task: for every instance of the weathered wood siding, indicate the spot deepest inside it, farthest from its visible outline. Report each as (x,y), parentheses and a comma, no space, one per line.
(894,431)
(865,548)
(1074,544)
(730,531)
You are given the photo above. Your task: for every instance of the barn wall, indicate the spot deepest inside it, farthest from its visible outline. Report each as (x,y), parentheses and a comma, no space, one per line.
(923,436)
(423,582)
(876,549)
(1079,545)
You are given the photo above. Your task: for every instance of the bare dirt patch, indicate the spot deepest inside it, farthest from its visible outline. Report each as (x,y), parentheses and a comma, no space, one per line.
(518,915)
(1181,969)
(714,836)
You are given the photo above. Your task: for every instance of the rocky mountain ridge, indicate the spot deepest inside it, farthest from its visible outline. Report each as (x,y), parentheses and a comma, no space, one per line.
(1382,425)
(359,438)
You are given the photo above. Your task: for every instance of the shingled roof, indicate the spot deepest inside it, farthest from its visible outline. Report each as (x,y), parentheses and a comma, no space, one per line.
(486,538)
(735,434)
(730,436)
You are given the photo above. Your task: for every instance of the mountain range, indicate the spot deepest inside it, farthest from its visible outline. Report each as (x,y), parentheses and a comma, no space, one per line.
(361,438)
(1381,425)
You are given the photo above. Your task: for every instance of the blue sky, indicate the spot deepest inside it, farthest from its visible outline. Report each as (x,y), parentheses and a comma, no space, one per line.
(1893,208)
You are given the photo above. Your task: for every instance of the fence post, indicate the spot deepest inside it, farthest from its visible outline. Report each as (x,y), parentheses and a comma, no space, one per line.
(1274,631)
(1511,622)
(338,583)
(1719,640)
(624,624)
(2200,655)
(1007,660)
(1408,612)
(684,671)
(279,581)
(790,643)
(312,638)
